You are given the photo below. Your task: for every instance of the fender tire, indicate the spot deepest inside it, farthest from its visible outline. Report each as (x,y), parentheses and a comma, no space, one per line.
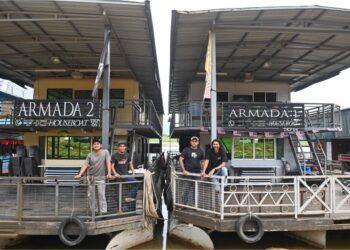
(240,228)
(62,234)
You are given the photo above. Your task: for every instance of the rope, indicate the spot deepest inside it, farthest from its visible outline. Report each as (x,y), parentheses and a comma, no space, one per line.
(150,207)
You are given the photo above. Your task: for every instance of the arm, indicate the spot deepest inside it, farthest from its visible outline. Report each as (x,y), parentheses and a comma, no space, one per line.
(131,167)
(113,170)
(181,162)
(109,167)
(83,168)
(204,166)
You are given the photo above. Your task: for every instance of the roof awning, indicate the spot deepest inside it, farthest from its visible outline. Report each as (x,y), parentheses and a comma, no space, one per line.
(298,45)
(55,38)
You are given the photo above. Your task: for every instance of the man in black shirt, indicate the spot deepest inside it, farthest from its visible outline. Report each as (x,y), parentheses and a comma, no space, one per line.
(216,159)
(121,163)
(190,162)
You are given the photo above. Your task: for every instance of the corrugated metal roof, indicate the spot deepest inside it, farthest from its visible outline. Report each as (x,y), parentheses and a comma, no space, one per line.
(34,31)
(309,44)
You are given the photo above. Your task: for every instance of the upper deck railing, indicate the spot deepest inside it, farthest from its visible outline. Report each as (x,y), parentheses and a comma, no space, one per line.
(43,113)
(137,113)
(254,116)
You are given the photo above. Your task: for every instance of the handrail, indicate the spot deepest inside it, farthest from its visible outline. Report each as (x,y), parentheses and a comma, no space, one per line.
(147,116)
(293,196)
(196,114)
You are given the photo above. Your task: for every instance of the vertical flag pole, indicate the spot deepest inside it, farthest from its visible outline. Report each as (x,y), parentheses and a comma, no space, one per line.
(106,87)
(213,86)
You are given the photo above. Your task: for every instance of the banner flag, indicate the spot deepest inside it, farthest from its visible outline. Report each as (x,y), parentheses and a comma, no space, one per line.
(208,63)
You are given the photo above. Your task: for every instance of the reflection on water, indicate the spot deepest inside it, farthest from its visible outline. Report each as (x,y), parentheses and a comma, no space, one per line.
(335,240)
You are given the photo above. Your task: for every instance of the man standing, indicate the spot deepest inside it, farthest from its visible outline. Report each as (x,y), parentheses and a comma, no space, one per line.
(98,164)
(121,164)
(190,162)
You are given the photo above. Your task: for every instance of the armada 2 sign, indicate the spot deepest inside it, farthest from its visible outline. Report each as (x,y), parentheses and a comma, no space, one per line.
(270,116)
(44,113)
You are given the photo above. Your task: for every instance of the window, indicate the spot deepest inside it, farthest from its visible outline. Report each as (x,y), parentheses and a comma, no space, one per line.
(242,98)
(265,96)
(116,97)
(222,96)
(245,148)
(82,94)
(59,94)
(68,147)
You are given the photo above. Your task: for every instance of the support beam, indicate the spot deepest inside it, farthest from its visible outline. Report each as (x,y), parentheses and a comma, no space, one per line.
(286,30)
(213,94)
(106,87)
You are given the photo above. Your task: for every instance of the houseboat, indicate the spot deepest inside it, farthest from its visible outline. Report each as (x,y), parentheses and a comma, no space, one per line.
(278,172)
(94,70)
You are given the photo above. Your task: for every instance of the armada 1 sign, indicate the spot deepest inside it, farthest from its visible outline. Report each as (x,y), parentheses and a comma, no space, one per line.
(44,113)
(270,116)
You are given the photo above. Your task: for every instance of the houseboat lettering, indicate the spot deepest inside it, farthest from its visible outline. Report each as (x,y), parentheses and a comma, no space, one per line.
(58,109)
(264,113)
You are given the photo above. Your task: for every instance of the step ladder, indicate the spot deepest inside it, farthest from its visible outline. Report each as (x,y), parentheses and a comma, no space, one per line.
(305,153)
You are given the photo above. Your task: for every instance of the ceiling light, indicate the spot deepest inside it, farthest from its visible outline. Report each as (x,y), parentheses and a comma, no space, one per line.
(55,60)
(217,73)
(49,70)
(267,65)
(248,77)
(294,74)
(77,75)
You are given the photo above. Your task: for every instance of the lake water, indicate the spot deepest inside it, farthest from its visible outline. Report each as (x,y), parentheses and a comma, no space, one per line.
(335,240)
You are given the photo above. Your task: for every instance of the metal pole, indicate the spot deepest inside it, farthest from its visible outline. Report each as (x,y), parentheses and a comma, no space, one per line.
(106,87)
(213,87)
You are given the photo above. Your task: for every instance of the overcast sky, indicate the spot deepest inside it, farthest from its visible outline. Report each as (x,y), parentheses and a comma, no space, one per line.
(330,91)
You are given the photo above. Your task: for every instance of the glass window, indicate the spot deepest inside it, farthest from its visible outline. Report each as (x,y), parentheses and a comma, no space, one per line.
(269,149)
(59,94)
(248,148)
(116,97)
(238,148)
(265,96)
(259,96)
(271,97)
(222,96)
(82,94)
(65,147)
(259,148)
(245,148)
(227,143)
(242,98)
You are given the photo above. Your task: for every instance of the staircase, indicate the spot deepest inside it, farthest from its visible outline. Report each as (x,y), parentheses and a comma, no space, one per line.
(305,153)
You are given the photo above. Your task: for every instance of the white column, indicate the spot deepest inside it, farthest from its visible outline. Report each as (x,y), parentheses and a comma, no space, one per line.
(213,103)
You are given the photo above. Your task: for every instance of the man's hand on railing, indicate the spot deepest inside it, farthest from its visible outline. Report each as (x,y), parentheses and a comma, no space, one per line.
(185,172)
(116,175)
(77,177)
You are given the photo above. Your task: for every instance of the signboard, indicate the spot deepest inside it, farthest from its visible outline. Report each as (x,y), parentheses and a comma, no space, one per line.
(57,114)
(281,117)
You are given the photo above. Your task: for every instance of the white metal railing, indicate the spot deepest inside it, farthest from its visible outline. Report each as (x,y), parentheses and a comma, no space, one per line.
(294,196)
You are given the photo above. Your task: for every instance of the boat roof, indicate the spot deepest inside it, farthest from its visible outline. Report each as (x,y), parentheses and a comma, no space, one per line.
(299,45)
(34,32)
